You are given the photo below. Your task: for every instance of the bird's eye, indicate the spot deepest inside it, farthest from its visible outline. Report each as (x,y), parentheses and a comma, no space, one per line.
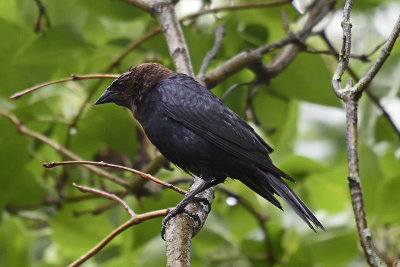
(119,85)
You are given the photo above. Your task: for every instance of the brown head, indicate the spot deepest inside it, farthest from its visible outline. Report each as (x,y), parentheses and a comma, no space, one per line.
(131,87)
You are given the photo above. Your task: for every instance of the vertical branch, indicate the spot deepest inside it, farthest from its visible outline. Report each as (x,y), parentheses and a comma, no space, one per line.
(346,49)
(350,95)
(356,191)
(165,14)
(219,33)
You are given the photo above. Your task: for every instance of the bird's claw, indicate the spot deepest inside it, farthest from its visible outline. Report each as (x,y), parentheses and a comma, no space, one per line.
(204,201)
(173,213)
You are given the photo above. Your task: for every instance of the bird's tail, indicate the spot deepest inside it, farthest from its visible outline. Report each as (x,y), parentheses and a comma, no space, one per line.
(270,185)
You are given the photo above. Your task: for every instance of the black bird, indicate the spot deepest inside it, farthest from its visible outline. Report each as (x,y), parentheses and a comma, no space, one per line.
(197,132)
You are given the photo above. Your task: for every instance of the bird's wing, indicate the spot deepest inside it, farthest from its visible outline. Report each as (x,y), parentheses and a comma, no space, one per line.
(192,105)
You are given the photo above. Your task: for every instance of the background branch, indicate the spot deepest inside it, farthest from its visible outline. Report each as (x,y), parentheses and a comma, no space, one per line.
(219,33)
(243,6)
(141,174)
(134,220)
(114,197)
(250,58)
(72,78)
(41,17)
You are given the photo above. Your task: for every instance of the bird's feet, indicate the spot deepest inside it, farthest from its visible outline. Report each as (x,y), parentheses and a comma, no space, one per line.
(172,214)
(181,209)
(204,201)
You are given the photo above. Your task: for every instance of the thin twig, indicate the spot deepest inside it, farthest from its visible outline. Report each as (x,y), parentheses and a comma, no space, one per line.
(72,78)
(249,58)
(362,58)
(345,52)
(233,87)
(60,149)
(236,7)
(376,101)
(285,21)
(352,73)
(114,197)
(42,14)
(219,35)
(385,52)
(142,174)
(135,220)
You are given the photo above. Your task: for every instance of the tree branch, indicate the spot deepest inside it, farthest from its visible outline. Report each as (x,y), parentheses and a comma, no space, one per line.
(251,58)
(72,78)
(42,15)
(373,98)
(164,12)
(350,95)
(236,7)
(114,197)
(134,220)
(219,35)
(385,52)
(182,228)
(142,174)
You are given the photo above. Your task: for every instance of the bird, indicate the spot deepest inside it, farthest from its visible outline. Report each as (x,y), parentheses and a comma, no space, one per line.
(197,132)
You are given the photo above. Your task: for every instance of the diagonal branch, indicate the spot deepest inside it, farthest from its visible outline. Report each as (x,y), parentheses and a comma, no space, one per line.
(219,35)
(252,58)
(142,174)
(352,73)
(385,52)
(114,197)
(42,16)
(236,7)
(134,220)
(72,78)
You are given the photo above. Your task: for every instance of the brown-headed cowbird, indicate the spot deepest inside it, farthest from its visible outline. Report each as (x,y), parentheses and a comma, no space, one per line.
(198,133)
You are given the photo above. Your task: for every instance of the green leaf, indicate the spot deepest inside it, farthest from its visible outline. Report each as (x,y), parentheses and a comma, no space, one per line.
(299,166)
(371,177)
(290,242)
(273,111)
(113,10)
(76,235)
(389,201)
(307,78)
(328,189)
(63,44)
(15,241)
(390,164)
(255,35)
(18,186)
(106,126)
(338,247)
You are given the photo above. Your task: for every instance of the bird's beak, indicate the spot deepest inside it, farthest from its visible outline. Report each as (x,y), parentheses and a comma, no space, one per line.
(107,97)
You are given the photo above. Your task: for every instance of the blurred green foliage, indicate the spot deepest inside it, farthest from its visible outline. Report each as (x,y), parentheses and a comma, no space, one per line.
(84,37)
